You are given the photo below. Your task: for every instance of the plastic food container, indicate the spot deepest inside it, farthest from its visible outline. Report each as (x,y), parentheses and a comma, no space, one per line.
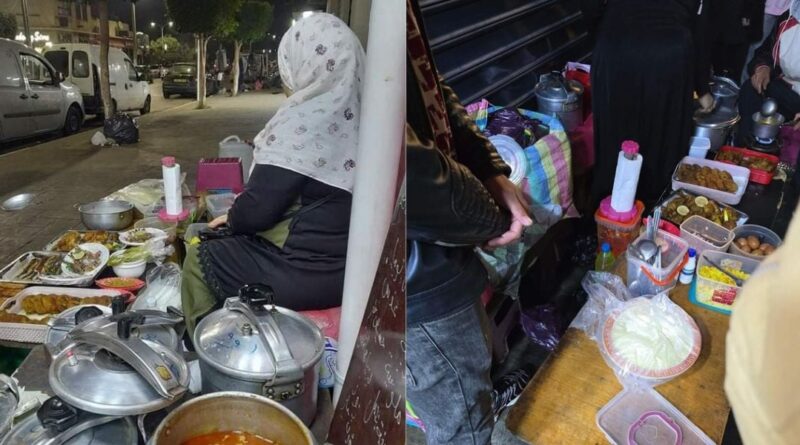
(642,416)
(646,279)
(219,204)
(618,234)
(740,216)
(757,175)
(764,235)
(714,294)
(740,177)
(699,146)
(171,228)
(702,234)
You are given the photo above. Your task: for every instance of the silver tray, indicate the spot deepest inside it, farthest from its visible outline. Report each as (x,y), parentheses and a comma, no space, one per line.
(9,274)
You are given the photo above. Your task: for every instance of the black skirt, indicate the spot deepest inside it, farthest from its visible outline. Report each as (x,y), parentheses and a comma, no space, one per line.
(642,84)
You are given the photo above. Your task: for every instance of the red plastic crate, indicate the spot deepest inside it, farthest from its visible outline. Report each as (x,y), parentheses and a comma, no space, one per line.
(756,175)
(220,174)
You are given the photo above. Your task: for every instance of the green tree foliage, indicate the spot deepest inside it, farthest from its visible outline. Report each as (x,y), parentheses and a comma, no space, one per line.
(175,52)
(8,25)
(252,22)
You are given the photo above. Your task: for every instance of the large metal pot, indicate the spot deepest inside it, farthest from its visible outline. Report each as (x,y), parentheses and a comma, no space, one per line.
(250,345)
(767,127)
(107,215)
(563,98)
(232,411)
(716,126)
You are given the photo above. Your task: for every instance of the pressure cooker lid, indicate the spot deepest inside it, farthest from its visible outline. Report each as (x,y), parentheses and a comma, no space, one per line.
(9,397)
(252,339)
(720,118)
(64,322)
(107,369)
(555,88)
(724,87)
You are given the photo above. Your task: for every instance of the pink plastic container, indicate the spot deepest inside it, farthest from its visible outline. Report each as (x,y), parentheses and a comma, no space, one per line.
(220,174)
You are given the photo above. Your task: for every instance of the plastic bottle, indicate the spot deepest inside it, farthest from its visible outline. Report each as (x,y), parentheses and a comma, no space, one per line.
(172,185)
(687,273)
(605,259)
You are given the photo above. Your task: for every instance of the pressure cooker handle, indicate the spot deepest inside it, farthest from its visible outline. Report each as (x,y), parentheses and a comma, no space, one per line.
(87,313)
(257,296)
(57,416)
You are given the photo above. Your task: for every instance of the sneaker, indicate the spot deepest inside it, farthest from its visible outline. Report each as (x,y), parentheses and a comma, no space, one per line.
(508,389)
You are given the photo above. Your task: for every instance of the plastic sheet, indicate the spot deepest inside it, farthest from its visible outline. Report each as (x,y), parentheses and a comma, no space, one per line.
(646,340)
(163,289)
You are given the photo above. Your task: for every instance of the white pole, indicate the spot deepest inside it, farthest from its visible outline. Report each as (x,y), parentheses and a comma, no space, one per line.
(382,127)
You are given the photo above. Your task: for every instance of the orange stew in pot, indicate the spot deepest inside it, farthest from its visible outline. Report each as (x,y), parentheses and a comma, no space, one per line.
(229,438)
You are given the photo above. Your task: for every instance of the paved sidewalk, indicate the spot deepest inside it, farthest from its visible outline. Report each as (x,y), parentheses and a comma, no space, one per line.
(69,171)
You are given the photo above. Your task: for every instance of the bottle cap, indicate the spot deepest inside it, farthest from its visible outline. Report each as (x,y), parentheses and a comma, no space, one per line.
(605,248)
(168,161)
(692,253)
(630,147)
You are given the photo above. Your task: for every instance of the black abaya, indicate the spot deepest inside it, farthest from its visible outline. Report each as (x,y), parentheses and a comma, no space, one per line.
(648,60)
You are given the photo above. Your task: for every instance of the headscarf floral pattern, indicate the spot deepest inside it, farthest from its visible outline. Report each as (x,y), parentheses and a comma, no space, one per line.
(315,131)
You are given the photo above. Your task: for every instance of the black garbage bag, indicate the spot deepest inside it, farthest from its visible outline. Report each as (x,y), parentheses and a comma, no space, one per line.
(122,129)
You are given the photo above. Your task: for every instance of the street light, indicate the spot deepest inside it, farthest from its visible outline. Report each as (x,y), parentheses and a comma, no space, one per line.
(168,24)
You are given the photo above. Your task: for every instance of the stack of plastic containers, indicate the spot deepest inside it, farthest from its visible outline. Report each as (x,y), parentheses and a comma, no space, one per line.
(647,279)
(618,233)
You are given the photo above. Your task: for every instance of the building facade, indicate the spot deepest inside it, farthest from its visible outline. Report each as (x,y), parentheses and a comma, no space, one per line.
(66,21)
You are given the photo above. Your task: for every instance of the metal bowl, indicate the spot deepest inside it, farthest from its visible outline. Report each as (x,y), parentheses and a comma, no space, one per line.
(107,215)
(18,202)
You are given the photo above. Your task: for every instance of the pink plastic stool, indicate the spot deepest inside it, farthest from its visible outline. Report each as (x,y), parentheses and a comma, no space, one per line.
(220,174)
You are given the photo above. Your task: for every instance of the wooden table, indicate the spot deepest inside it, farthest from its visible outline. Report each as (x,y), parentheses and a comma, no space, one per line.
(560,403)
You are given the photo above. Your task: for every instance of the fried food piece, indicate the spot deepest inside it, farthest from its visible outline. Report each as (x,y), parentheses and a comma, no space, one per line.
(52,304)
(708,177)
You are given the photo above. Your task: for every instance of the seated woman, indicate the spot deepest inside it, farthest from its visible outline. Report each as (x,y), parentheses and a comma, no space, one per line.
(290,224)
(774,72)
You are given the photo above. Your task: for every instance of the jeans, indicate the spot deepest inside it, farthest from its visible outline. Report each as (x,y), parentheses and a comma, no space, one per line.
(769,23)
(448,381)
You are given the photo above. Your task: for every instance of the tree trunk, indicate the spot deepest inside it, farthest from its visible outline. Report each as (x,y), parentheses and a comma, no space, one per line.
(105,87)
(237,47)
(201,71)
(197,39)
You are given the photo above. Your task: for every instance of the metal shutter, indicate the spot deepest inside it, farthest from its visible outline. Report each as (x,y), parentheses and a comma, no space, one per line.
(498,48)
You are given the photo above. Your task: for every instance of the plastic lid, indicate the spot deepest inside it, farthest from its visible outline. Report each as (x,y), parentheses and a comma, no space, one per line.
(606,211)
(168,161)
(630,147)
(692,252)
(605,248)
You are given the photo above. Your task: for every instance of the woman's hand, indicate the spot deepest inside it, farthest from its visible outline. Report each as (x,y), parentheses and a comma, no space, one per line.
(796,121)
(510,197)
(760,78)
(218,221)
(706,103)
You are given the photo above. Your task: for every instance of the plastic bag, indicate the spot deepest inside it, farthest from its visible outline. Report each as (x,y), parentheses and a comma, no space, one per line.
(122,128)
(163,289)
(147,194)
(511,123)
(542,324)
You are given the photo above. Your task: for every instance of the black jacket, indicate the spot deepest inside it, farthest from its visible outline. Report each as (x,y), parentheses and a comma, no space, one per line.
(736,21)
(449,210)
(763,55)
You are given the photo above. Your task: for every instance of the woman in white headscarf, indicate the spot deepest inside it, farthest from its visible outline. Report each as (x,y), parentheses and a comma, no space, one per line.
(288,229)
(774,72)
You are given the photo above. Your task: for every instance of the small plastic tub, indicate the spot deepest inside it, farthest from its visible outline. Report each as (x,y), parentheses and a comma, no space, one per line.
(740,176)
(715,294)
(219,204)
(155,222)
(646,279)
(763,234)
(618,234)
(702,234)
(699,146)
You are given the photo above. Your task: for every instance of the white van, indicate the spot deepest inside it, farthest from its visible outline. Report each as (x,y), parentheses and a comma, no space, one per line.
(34,98)
(79,62)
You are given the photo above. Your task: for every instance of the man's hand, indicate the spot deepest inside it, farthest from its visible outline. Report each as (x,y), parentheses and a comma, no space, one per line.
(706,103)
(760,78)
(510,197)
(218,221)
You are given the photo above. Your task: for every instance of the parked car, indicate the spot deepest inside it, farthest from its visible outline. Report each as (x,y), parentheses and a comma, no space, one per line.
(79,62)
(182,80)
(155,71)
(34,97)
(144,73)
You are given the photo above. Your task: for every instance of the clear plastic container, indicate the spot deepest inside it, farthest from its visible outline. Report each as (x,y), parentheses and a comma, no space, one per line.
(699,146)
(618,234)
(646,279)
(702,234)
(219,204)
(715,294)
(740,176)
(762,233)
(642,416)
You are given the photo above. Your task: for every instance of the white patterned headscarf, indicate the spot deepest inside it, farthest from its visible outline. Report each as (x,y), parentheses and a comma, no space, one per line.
(794,9)
(315,131)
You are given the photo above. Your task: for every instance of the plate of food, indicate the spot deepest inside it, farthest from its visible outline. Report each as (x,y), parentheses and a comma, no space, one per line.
(682,204)
(29,267)
(121,283)
(653,340)
(79,266)
(140,236)
(72,238)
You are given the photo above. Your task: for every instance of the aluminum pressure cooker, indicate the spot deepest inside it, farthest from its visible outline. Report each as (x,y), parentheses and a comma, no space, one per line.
(563,98)
(253,346)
